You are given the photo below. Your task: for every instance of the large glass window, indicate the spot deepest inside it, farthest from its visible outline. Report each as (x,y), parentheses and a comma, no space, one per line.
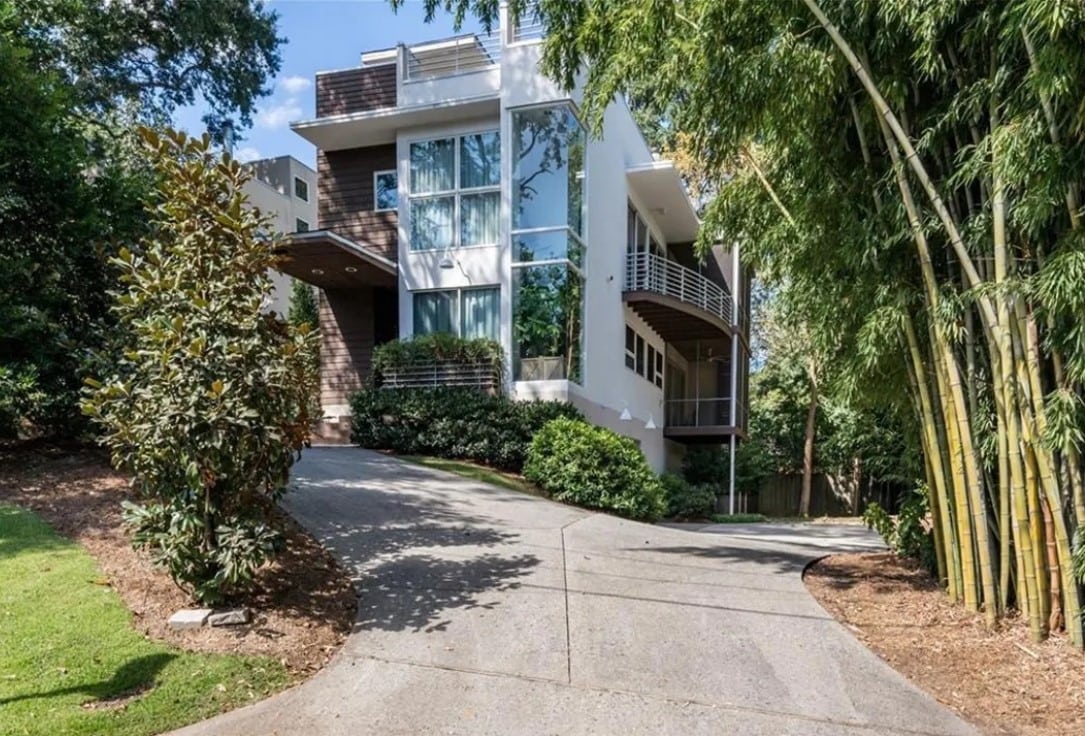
(455,191)
(548,169)
(547,319)
(468,313)
(547,244)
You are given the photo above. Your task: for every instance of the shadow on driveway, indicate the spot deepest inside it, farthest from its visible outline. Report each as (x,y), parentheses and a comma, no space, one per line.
(414,551)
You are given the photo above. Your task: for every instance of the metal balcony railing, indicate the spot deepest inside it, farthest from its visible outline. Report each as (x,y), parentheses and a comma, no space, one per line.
(445,58)
(712,412)
(656,274)
(529,26)
(482,376)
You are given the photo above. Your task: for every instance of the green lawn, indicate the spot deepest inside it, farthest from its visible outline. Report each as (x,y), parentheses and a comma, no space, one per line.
(475,472)
(71,663)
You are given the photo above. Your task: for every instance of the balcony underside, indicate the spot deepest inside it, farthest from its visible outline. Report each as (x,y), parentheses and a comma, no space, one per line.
(330,261)
(710,435)
(675,320)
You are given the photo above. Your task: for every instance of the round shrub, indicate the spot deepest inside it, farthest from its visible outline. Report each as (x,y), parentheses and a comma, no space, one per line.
(580,463)
(687,500)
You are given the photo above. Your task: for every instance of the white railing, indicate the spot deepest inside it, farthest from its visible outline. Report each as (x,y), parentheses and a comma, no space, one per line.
(450,56)
(529,26)
(436,375)
(649,272)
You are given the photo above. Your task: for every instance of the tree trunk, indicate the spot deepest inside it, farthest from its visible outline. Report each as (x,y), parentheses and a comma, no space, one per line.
(808,445)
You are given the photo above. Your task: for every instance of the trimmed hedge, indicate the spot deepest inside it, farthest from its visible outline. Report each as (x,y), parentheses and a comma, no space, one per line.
(688,500)
(580,463)
(455,423)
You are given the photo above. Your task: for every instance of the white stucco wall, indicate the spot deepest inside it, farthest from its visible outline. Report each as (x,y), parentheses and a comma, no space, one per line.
(273,193)
(608,386)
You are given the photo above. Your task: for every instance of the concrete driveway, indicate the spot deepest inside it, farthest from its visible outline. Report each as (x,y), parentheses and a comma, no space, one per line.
(486,611)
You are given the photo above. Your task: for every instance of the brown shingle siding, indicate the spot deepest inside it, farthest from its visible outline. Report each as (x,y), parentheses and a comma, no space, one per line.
(346,343)
(355,90)
(345,196)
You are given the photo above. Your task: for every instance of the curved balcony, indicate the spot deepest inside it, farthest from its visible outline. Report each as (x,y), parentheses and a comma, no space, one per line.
(675,301)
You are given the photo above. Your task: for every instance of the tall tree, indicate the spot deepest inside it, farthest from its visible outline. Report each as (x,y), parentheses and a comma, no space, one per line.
(75,77)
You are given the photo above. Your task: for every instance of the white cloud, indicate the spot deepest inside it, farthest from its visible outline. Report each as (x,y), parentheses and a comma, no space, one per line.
(247,153)
(279,114)
(295,84)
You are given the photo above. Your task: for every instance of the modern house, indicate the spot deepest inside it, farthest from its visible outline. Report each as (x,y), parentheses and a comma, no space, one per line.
(459,191)
(284,188)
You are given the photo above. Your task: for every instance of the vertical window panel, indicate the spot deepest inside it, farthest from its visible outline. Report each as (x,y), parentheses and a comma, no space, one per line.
(433,312)
(480,160)
(480,313)
(433,166)
(432,222)
(480,218)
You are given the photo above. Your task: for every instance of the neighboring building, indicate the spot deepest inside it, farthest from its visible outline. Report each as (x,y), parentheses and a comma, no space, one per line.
(458,191)
(285,188)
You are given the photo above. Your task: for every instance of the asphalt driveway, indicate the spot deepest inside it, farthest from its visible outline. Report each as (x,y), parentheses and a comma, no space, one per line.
(486,611)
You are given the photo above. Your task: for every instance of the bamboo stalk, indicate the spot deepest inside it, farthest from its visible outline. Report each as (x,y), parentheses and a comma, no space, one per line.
(935,462)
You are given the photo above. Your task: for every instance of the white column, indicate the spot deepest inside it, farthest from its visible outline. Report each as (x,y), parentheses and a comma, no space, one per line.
(734,373)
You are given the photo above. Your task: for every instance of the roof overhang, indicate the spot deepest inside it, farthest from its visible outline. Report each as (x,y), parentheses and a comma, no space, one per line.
(328,260)
(659,186)
(372,127)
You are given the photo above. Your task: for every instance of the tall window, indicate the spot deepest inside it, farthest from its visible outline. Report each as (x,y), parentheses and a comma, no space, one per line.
(642,358)
(301,189)
(468,313)
(547,244)
(385,191)
(455,191)
(639,238)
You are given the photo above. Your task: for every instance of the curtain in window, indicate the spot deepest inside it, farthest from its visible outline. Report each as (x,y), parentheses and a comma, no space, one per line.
(433,312)
(480,313)
(432,223)
(480,218)
(480,160)
(433,166)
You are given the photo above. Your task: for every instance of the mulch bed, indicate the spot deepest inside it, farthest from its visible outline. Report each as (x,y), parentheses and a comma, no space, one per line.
(303,603)
(999,680)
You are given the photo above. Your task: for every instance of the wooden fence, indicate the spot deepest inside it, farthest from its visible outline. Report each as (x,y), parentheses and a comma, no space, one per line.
(779,496)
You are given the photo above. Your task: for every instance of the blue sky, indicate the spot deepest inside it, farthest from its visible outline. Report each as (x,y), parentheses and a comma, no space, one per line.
(320,35)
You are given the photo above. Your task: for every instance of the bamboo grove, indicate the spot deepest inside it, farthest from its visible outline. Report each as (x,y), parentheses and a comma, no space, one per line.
(911,172)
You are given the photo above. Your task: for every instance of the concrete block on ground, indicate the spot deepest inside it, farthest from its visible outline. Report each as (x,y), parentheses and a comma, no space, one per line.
(231,617)
(189,618)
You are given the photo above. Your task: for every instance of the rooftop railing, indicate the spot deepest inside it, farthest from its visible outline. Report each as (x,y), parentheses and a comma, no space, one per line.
(451,56)
(656,274)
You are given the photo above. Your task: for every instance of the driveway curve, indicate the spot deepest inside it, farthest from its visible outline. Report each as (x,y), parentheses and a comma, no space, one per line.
(486,611)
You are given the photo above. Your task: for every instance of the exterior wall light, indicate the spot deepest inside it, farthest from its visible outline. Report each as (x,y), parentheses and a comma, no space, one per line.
(651,423)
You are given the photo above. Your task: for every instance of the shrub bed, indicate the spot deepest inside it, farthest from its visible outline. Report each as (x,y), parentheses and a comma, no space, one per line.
(580,463)
(456,423)
(438,348)
(688,500)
